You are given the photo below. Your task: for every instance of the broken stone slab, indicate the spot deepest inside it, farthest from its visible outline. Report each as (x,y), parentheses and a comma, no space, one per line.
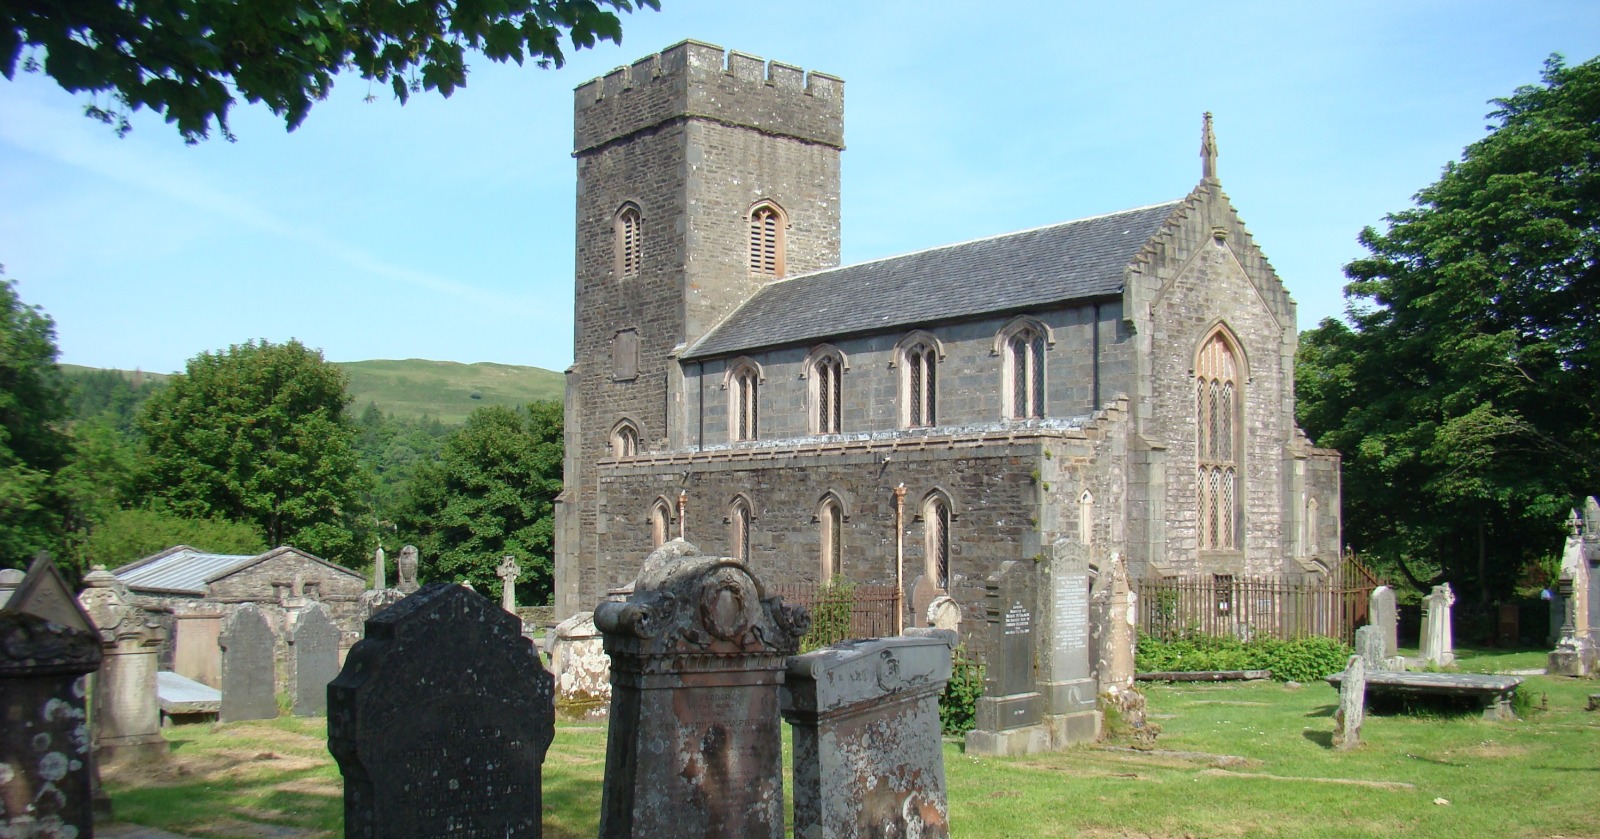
(1495,692)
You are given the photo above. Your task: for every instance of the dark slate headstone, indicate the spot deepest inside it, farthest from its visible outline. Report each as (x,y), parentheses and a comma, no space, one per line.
(1010,701)
(248,671)
(314,655)
(440,721)
(45,749)
(1070,685)
(695,746)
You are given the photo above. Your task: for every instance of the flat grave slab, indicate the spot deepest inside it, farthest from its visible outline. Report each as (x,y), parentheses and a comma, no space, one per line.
(1493,691)
(183,697)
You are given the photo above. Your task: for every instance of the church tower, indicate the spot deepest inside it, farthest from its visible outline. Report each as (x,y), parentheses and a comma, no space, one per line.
(702,175)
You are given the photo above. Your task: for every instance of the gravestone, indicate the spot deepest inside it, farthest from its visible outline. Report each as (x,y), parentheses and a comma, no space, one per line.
(697,660)
(378,582)
(1116,614)
(406,570)
(1437,643)
(46,751)
(1574,653)
(923,593)
(1009,716)
(944,613)
(249,673)
(1591,553)
(1369,645)
(440,721)
(1352,705)
(868,756)
(581,668)
(508,571)
(44,592)
(314,657)
(1069,686)
(376,600)
(1385,616)
(127,706)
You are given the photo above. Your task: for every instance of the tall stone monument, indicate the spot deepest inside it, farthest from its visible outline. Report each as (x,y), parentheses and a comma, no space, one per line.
(378,582)
(1384,614)
(1115,618)
(440,721)
(1068,684)
(697,660)
(314,658)
(1438,644)
(1010,714)
(1574,654)
(868,757)
(508,571)
(127,710)
(1591,553)
(249,672)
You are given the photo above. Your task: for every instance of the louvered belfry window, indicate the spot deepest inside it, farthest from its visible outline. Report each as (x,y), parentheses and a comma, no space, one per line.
(766,240)
(629,243)
(1217,407)
(922,385)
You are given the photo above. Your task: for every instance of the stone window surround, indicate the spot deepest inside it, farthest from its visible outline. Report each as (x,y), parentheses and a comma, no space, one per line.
(740,518)
(1227,543)
(625,439)
(830,517)
(1005,341)
(768,225)
(743,381)
(628,242)
(660,520)
(825,380)
(936,536)
(924,343)
(1086,518)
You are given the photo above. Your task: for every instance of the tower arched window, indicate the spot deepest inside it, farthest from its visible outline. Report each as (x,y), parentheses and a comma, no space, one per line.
(767,223)
(1218,402)
(830,518)
(660,522)
(625,439)
(1023,344)
(825,369)
(629,242)
(918,356)
(936,537)
(739,530)
(744,400)
(1086,518)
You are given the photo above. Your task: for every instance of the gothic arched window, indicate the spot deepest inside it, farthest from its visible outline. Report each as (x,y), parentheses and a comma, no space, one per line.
(628,242)
(1217,405)
(918,356)
(739,530)
(660,523)
(625,439)
(825,370)
(767,223)
(1024,342)
(744,400)
(936,536)
(830,517)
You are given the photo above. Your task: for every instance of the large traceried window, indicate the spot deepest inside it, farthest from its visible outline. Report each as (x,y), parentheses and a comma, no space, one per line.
(1024,342)
(660,522)
(625,439)
(1217,405)
(744,400)
(830,518)
(767,223)
(919,380)
(936,534)
(628,242)
(739,529)
(825,369)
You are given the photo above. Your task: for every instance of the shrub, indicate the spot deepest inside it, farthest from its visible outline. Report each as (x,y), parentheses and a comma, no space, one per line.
(1300,660)
(959,704)
(830,616)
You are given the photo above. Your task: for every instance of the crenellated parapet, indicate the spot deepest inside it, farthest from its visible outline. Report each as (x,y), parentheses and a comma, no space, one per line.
(694,80)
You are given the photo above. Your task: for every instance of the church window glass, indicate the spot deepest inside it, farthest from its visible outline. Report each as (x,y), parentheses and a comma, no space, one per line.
(1217,406)
(921,385)
(936,529)
(744,401)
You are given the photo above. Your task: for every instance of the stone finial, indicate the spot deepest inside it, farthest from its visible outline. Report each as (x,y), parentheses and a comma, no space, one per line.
(1591,518)
(1208,150)
(1574,524)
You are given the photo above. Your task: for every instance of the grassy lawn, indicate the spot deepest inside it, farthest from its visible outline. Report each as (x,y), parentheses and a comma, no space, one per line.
(1232,760)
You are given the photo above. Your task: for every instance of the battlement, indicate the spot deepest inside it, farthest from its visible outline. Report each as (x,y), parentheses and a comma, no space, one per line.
(698,80)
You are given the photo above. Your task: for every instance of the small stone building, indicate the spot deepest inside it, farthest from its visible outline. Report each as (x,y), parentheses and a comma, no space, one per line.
(190,591)
(1125,380)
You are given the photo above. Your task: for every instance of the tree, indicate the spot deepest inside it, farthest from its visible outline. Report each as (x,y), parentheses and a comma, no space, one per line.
(126,535)
(33,447)
(258,434)
(1465,393)
(186,59)
(491,494)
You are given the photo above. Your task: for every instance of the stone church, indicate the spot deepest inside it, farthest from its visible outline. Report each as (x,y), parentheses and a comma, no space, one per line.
(1124,381)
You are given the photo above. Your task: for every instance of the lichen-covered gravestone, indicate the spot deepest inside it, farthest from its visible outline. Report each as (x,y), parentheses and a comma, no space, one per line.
(1352,705)
(697,660)
(314,646)
(1009,714)
(45,757)
(440,721)
(1385,616)
(249,675)
(868,757)
(1369,645)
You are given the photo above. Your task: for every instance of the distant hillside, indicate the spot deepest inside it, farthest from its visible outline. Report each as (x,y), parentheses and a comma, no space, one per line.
(445,390)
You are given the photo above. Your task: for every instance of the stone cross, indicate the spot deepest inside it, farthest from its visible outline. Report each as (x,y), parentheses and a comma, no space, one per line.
(127,710)
(1385,616)
(697,661)
(868,757)
(1009,715)
(1352,705)
(440,721)
(1069,686)
(1437,642)
(378,582)
(508,571)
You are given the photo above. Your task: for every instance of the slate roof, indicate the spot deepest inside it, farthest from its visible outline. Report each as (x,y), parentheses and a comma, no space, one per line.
(1074,260)
(179,569)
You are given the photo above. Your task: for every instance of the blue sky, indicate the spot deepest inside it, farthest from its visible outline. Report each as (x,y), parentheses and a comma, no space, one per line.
(443,229)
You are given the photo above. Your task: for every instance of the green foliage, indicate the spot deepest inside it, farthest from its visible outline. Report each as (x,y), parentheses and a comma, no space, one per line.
(109,395)
(393,449)
(188,61)
(1465,393)
(258,434)
(1299,660)
(123,536)
(830,615)
(491,494)
(33,448)
(958,706)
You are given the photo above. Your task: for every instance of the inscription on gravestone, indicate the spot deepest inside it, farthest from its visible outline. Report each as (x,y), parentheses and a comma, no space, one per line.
(1068,685)
(440,721)
(1011,700)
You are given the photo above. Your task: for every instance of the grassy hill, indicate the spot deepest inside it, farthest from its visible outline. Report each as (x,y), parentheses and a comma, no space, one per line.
(445,390)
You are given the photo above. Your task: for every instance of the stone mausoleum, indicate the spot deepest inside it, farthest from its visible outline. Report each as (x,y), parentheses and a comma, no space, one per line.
(1124,380)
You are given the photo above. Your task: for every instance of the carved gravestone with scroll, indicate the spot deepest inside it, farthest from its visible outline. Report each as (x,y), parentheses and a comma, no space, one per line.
(440,721)
(1009,715)
(697,660)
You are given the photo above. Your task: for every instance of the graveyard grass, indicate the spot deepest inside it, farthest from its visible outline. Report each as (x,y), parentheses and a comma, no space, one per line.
(1274,773)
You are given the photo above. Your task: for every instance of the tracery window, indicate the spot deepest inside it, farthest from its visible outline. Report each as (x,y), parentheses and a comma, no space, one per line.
(628,242)
(1217,405)
(919,381)
(825,369)
(767,223)
(744,400)
(936,534)
(625,440)
(830,517)
(1025,345)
